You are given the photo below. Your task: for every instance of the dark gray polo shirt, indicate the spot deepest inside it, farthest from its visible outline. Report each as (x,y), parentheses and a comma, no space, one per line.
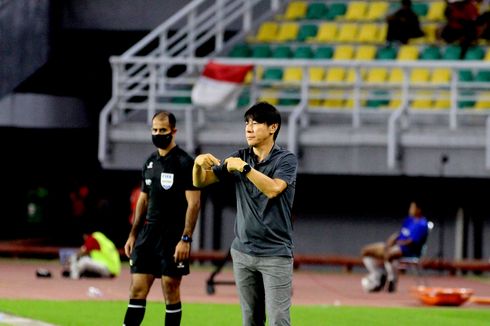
(263,226)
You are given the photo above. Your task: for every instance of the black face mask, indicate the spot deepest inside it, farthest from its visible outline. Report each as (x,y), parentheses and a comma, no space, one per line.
(161,141)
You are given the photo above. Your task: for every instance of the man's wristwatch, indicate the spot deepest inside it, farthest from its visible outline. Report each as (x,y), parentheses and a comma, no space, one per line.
(186,238)
(246,169)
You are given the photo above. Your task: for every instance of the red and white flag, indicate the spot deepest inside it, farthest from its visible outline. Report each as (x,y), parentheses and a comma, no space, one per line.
(219,85)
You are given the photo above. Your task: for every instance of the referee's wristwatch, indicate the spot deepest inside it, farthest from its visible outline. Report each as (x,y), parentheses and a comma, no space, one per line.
(186,238)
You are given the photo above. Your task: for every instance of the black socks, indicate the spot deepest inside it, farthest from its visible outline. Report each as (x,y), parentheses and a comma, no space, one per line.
(173,314)
(135,312)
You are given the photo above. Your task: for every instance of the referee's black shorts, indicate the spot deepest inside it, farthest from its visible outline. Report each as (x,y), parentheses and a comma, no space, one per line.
(153,255)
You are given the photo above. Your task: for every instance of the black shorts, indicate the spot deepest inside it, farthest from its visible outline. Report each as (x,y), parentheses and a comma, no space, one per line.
(153,254)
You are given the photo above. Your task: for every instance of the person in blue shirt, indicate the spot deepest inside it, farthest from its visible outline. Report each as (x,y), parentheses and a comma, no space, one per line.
(381,258)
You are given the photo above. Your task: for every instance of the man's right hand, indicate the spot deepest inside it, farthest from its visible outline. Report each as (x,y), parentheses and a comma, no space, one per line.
(206,161)
(128,247)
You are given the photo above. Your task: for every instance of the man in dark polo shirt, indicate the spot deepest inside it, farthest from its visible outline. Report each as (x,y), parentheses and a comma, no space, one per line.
(264,175)
(159,242)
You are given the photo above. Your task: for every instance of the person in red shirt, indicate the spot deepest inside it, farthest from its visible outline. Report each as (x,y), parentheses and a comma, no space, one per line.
(461,23)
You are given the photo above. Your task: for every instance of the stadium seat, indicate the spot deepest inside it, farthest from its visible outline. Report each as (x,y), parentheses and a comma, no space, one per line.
(365,52)
(272,74)
(287,32)
(335,75)
(292,74)
(377,10)
(419,75)
(420,8)
(487,55)
(435,11)
(474,53)
(422,100)
(442,100)
(347,33)
(327,33)
(452,52)
(430,53)
(323,52)
(482,76)
(336,9)
(483,101)
(306,32)
(465,75)
(316,11)
(303,52)
(261,51)
(281,52)
(376,75)
(343,52)
(296,10)
(240,51)
(267,32)
(408,52)
(440,76)
(368,33)
(356,10)
(386,53)
(382,32)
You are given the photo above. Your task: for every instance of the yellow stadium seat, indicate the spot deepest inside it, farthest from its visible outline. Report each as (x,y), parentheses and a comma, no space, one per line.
(347,33)
(483,101)
(292,74)
(377,75)
(259,70)
(335,99)
(356,10)
(487,55)
(442,100)
(441,76)
(365,52)
(336,75)
(382,32)
(316,74)
(327,32)
(343,52)
(296,10)
(395,75)
(287,32)
(368,33)
(270,95)
(419,75)
(436,11)
(267,32)
(408,52)
(430,30)
(377,10)
(422,100)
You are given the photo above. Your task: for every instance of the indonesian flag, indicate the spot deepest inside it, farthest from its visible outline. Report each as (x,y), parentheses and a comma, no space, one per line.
(219,85)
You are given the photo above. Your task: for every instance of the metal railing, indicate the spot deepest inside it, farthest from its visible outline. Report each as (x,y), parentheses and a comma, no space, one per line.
(144,81)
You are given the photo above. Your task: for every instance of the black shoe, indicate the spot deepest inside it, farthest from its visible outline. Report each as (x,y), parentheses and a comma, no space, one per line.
(392,286)
(381,285)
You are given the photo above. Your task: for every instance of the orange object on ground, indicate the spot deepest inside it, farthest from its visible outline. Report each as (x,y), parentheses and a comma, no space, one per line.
(480,300)
(439,296)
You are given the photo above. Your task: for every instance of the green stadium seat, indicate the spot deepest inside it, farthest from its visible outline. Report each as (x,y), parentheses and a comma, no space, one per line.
(420,8)
(465,75)
(323,52)
(316,10)
(452,52)
(272,74)
(386,53)
(430,53)
(306,31)
(240,51)
(261,51)
(281,52)
(303,52)
(474,53)
(483,76)
(336,9)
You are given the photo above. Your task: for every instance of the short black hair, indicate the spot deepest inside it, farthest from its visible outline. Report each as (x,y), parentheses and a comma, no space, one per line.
(169,115)
(264,112)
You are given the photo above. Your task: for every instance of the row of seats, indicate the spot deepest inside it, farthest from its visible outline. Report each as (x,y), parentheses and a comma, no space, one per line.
(359,52)
(360,10)
(331,32)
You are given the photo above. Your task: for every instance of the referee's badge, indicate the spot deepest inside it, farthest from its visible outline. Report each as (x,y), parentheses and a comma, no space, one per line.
(167,180)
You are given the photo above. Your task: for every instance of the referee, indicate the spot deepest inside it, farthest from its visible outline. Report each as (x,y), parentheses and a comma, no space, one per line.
(159,242)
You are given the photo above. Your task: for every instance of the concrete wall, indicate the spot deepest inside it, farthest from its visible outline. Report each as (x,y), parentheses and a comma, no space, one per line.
(24,38)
